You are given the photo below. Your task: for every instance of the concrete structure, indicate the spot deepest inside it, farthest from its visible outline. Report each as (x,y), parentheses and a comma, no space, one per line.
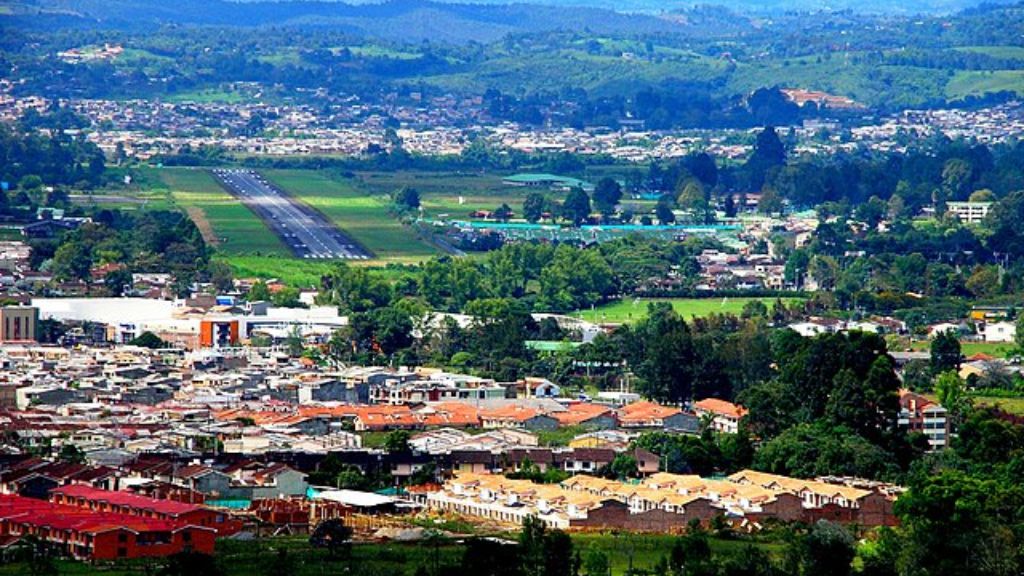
(998,331)
(86,534)
(127,504)
(18,324)
(664,502)
(969,212)
(919,414)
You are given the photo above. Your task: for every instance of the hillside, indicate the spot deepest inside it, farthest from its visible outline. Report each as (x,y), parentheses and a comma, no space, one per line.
(406,20)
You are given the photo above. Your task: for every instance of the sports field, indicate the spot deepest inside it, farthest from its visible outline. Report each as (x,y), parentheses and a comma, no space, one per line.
(627,310)
(363,216)
(225,223)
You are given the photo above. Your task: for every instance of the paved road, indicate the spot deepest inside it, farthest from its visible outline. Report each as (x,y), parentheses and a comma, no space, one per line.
(306,232)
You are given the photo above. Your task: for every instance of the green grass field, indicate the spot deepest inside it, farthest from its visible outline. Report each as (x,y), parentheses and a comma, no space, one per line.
(292,271)
(996,349)
(626,311)
(1007,52)
(1011,405)
(977,82)
(357,213)
(245,558)
(224,221)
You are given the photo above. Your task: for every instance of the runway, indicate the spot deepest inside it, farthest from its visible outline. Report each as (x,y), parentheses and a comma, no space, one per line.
(305,231)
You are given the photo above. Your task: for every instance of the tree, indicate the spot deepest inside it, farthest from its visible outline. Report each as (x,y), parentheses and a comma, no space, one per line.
(809,450)
(663,212)
(71,454)
(693,199)
(117,280)
(221,275)
(148,340)
(503,213)
(1006,220)
(558,556)
(282,565)
(1018,337)
(825,271)
(577,206)
(952,393)
(531,546)
(827,549)
(869,406)
(258,292)
(945,352)
(397,442)
(486,557)
(607,195)
(286,297)
(624,466)
(407,198)
(770,202)
(769,152)
(983,195)
(666,368)
(955,523)
(190,563)
(872,212)
(533,206)
(333,535)
(596,563)
(983,281)
(72,261)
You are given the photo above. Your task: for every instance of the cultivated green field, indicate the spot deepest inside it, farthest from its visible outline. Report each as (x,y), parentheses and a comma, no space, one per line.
(224,221)
(628,310)
(365,217)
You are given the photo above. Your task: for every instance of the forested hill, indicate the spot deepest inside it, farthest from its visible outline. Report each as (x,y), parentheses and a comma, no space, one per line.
(904,7)
(408,20)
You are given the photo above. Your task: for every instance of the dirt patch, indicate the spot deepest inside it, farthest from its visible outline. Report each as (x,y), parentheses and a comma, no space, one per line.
(199,218)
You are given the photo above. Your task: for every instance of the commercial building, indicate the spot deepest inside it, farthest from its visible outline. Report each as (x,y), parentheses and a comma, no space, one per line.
(18,324)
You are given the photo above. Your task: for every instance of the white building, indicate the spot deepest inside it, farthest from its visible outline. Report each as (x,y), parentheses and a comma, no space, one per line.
(969,212)
(998,331)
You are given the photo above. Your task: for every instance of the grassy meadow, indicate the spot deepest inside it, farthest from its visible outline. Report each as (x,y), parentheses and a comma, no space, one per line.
(262,556)
(629,310)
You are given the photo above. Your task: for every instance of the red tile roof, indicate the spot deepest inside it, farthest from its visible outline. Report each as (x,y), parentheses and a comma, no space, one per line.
(21,510)
(165,507)
(720,407)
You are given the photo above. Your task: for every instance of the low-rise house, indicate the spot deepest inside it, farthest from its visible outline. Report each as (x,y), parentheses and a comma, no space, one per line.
(640,415)
(725,415)
(921,415)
